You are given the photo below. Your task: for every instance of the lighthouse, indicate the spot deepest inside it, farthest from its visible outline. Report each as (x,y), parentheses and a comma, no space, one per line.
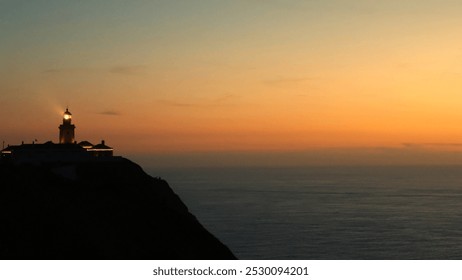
(66,130)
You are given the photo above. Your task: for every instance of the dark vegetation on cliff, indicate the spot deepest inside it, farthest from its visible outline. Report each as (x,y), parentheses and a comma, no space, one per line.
(97,210)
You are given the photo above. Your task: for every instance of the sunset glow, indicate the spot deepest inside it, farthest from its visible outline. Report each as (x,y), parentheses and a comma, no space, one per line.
(170,77)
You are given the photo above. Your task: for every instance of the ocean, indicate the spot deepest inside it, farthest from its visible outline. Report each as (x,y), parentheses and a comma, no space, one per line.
(392,212)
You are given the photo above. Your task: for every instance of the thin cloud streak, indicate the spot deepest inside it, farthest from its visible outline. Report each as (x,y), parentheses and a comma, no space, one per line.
(427,145)
(223,101)
(132,70)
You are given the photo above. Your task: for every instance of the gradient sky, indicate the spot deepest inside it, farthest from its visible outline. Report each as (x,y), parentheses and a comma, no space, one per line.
(257,81)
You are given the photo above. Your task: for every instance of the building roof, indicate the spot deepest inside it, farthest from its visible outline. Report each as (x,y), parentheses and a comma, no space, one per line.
(46,146)
(8,150)
(101,146)
(85,144)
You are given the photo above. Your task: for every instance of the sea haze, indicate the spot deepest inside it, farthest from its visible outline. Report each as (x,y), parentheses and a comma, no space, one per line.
(410,212)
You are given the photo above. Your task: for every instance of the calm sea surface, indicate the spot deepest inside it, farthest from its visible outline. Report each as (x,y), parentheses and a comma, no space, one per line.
(327,212)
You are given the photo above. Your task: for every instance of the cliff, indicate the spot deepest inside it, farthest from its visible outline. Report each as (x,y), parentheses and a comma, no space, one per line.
(97,210)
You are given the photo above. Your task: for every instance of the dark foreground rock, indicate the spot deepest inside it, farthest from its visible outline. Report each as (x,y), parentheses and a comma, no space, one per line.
(97,210)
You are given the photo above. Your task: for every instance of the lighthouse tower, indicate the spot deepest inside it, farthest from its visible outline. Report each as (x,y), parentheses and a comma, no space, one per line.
(66,130)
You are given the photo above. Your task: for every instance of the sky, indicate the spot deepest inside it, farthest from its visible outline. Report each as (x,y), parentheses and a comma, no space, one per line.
(238,82)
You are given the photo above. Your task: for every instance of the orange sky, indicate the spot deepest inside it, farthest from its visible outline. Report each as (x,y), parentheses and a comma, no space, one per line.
(157,77)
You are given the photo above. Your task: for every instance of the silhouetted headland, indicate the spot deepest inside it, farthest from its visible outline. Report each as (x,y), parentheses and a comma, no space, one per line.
(78,201)
(97,210)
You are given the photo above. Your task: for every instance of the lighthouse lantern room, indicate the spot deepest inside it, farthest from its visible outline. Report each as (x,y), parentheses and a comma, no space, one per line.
(67,129)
